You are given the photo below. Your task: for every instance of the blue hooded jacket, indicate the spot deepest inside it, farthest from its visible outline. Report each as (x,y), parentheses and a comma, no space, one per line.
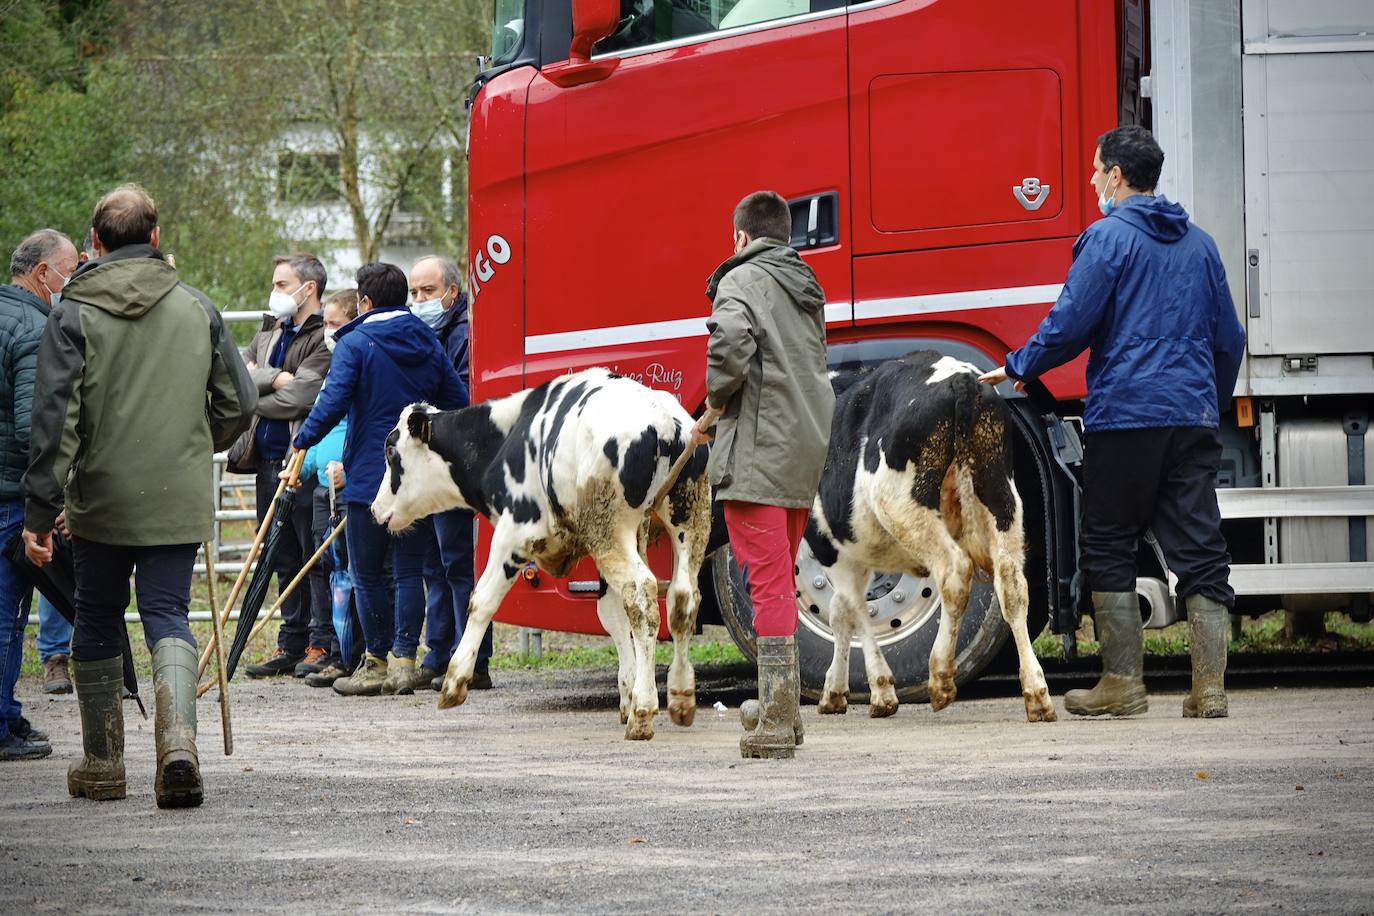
(383,361)
(1147,295)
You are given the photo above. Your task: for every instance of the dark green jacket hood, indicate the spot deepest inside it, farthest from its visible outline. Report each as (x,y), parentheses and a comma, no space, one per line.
(126,282)
(783,264)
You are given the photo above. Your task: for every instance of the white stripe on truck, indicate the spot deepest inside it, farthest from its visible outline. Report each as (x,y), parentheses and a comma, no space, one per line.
(835,313)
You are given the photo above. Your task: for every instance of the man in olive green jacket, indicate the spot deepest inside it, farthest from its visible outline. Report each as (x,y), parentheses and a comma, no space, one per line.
(766,370)
(141,384)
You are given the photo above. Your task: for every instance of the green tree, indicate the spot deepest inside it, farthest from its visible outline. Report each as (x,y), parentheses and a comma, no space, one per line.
(61,139)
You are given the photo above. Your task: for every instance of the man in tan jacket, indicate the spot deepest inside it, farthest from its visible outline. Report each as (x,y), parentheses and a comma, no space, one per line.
(766,372)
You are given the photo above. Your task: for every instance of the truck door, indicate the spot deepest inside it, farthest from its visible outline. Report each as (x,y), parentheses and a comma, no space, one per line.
(1309,176)
(970,167)
(631,180)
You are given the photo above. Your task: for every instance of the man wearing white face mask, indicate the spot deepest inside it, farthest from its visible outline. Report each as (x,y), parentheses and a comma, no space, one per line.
(39,268)
(437,299)
(288,359)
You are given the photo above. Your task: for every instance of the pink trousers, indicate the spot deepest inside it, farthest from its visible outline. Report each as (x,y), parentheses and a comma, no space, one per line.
(764,540)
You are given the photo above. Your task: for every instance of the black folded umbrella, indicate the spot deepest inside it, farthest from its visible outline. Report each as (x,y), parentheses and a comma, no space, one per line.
(262,576)
(56,581)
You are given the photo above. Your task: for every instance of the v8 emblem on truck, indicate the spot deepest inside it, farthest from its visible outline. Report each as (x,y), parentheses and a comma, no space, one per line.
(1031,193)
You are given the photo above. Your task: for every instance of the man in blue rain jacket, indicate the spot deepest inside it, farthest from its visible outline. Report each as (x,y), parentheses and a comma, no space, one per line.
(1147,297)
(384,360)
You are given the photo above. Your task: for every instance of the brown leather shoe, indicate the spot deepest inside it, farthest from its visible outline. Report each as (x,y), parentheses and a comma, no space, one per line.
(56,678)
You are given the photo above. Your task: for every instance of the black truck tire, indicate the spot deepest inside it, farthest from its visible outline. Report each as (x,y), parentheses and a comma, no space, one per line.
(905,615)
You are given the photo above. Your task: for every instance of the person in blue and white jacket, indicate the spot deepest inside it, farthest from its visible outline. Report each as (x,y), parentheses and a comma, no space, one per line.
(1147,297)
(384,360)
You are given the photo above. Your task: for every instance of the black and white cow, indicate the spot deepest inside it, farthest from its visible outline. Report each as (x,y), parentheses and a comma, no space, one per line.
(564,471)
(918,479)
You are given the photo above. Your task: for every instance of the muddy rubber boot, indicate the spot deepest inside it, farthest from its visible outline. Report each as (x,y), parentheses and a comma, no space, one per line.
(99,775)
(1121,689)
(774,736)
(174,688)
(400,675)
(1209,627)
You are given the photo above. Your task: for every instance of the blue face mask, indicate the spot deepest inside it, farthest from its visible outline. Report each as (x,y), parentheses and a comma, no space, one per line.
(1105,203)
(430,312)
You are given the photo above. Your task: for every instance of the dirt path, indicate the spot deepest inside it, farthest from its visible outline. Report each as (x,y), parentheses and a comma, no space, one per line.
(527,800)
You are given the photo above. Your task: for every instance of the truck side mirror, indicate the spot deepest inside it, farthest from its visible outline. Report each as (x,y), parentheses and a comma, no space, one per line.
(592,20)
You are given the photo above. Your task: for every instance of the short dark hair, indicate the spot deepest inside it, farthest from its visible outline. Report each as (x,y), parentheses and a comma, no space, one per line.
(34,250)
(125,216)
(764,214)
(306,267)
(1136,151)
(384,284)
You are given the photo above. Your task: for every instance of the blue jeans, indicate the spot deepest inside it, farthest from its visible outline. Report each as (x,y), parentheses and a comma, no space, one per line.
(54,632)
(409,562)
(452,565)
(16,595)
(367,547)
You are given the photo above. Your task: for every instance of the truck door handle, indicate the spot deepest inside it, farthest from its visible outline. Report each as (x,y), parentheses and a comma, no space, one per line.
(1252,281)
(815,220)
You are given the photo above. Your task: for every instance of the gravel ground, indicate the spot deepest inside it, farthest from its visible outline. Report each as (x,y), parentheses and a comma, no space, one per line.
(527,799)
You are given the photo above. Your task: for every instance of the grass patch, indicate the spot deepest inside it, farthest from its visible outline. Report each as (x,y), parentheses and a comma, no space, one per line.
(1258,635)
(710,653)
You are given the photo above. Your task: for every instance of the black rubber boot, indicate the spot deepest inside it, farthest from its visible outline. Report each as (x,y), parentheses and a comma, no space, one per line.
(1209,627)
(174,687)
(779,693)
(1121,689)
(99,775)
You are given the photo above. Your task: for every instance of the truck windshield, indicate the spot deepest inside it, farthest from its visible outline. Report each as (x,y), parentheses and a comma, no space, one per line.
(507,30)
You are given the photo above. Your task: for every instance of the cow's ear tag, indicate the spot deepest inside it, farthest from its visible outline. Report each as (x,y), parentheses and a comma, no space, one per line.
(419,425)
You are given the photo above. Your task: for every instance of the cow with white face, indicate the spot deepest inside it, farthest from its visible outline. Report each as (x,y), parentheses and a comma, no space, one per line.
(564,471)
(918,479)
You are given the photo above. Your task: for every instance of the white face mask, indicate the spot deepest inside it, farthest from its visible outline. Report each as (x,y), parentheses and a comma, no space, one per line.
(430,312)
(329,339)
(56,297)
(283,305)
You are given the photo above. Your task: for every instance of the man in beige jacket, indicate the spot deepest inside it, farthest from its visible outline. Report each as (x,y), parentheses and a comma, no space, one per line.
(766,372)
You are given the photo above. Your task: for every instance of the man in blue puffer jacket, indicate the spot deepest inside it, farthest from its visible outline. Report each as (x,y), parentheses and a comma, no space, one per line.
(1147,296)
(384,359)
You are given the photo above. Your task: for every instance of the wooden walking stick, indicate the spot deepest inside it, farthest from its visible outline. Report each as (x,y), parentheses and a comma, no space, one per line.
(285,594)
(295,468)
(219,657)
(676,470)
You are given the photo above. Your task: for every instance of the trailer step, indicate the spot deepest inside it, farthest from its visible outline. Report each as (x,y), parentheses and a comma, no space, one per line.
(1302,578)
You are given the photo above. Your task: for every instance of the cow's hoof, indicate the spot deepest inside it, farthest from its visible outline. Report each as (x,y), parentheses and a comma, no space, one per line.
(1040,708)
(682,708)
(833,704)
(942,693)
(640,727)
(454,696)
(881,709)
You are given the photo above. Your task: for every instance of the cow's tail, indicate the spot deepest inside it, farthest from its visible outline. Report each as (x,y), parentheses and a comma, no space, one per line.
(672,442)
(967,395)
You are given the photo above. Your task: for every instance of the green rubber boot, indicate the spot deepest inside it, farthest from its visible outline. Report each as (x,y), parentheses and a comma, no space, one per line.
(99,775)
(779,694)
(749,709)
(1121,689)
(174,688)
(1209,627)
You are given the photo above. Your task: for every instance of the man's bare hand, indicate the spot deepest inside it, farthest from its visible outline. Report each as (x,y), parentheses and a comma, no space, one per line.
(251,365)
(38,547)
(704,430)
(998,376)
(283,379)
(61,524)
(336,475)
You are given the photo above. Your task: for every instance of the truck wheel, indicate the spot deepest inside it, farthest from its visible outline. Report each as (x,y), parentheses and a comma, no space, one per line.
(904,615)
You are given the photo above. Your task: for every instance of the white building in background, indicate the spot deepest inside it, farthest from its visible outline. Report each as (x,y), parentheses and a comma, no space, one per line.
(318,218)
